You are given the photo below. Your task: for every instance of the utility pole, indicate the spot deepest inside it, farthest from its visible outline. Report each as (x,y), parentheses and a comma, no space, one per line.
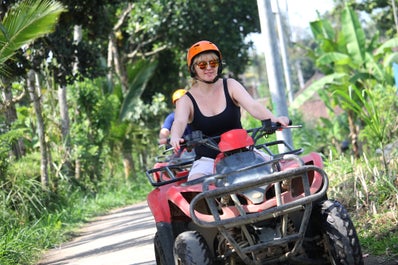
(273,65)
(284,54)
(394,10)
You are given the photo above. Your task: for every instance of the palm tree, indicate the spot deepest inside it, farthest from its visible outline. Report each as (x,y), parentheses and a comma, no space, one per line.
(25,22)
(21,25)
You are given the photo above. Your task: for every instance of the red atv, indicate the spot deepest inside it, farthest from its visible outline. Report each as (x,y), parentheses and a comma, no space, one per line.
(259,207)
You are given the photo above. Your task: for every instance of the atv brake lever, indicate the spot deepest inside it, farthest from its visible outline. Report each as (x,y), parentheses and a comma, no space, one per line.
(292,126)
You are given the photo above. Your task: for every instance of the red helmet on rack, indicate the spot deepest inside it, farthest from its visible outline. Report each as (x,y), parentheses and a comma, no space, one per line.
(235,139)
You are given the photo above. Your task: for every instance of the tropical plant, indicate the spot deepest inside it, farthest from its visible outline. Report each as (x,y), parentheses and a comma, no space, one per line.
(133,128)
(93,112)
(350,63)
(22,24)
(383,15)
(25,22)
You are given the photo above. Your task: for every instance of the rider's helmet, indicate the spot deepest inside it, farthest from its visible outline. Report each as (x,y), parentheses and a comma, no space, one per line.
(177,94)
(235,139)
(200,47)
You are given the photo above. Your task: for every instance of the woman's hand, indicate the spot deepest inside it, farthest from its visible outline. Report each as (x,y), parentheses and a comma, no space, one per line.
(175,143)
(283,120)
(162,141)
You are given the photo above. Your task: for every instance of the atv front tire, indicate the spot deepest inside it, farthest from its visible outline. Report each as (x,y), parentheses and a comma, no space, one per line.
(163,244)
(340,237)
(190,248)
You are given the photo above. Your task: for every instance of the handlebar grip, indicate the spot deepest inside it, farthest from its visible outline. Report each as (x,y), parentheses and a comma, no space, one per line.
(278,124)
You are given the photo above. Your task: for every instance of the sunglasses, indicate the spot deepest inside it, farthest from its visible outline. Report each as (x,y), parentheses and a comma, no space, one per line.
(203,65)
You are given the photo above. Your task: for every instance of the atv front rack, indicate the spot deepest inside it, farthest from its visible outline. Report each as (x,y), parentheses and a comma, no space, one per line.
(166,173)
(251,214)
(212,195)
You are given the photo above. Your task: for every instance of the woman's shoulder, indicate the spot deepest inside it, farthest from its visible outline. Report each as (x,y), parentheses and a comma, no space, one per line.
(233,84)
(233,81)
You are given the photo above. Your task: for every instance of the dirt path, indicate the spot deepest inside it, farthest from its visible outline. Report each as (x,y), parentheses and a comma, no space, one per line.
(124,237)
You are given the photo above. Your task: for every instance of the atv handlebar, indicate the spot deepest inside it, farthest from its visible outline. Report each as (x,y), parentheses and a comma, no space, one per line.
(267,128)
(165,173)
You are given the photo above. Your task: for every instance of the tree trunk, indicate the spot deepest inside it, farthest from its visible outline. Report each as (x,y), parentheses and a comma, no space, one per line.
(117,65)
(77,37)
(65,129)
(18,148)
(128,162)
(113,53)
(354,134)
(300,75)
(77,168)
(144,156)
(40,128)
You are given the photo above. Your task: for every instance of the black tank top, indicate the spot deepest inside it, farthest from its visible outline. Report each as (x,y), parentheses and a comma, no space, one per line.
(227,120)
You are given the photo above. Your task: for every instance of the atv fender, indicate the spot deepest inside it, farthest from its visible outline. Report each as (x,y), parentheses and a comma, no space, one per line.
(158,203)
(314,159)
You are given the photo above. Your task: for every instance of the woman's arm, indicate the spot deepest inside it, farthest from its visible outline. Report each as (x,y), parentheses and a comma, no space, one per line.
(252,106)
(181,117)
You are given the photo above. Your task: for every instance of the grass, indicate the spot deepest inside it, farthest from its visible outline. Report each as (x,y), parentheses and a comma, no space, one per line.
(371,197)
(25,243)
(379,233)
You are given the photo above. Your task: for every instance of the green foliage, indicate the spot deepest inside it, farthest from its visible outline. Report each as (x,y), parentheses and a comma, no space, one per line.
(356,70)
(315,87)
(371,197)
(366,105)
(138,122)
(22,243)
(92,113)
(359,80)
(308,137)
(25,22)
(381,14)
(139,74)
(142,128)
(6,141)
(171,27)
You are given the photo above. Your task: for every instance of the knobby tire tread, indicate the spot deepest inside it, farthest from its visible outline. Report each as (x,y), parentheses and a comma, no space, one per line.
(341,233)
(191,249)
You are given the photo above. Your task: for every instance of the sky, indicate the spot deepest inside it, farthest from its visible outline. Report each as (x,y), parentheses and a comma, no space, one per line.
(300,14)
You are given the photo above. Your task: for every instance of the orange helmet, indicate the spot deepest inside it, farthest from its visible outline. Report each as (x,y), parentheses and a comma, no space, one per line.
(199,47)
(177,94)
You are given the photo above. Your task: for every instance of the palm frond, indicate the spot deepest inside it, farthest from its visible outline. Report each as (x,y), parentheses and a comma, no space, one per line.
(25,22)
(139,75)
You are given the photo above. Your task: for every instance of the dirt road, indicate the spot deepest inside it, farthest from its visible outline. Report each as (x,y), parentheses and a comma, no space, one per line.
(124,237)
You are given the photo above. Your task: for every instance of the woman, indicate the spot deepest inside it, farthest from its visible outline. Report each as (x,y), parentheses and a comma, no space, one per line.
(212,105)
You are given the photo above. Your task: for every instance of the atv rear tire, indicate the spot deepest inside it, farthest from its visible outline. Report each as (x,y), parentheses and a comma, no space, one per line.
(190,248)
(341,240)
